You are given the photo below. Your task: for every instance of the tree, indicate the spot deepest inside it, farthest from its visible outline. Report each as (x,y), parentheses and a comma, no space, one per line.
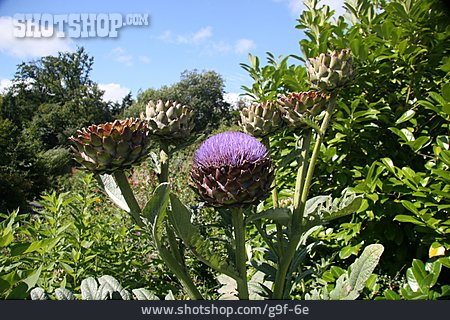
(49,100)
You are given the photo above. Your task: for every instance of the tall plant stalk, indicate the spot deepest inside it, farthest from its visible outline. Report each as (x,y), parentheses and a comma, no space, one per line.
(303,183)
(240,252)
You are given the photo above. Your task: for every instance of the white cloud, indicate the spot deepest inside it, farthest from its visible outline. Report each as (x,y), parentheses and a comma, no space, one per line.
(192,38)
(31,47)
(113,91)
(144,59)
(5,84)
(236,100)
(120,55)
(244,46)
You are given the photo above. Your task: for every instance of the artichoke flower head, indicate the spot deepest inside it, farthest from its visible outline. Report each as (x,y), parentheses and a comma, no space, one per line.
(232,169)
(110,146)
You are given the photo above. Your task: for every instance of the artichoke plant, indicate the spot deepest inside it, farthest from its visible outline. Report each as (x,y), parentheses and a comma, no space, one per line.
(232,169)
(106,147)
(295,107)
(169,120)
(330,71)
(261,119)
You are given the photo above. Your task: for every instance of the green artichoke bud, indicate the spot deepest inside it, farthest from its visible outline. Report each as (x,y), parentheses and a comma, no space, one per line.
(261,119)
(110,146)
(296,107)
(232,169)
(169,120)
(330,71)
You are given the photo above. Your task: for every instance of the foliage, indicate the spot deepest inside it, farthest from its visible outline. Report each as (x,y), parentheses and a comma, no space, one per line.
(389,137)
(74,236)
(103,288)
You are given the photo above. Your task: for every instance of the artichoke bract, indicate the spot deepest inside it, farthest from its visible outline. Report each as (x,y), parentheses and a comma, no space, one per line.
(110,146)
(232,169)
(331,71)
(297,105)
(169,120)
(261,119)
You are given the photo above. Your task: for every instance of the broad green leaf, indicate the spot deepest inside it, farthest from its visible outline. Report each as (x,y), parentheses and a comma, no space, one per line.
(410,219)
(280,215)
(405,116)
(6,239)
(32,279)
(446,91)
(391,295)
(156,206)
(203,249)
(180,217)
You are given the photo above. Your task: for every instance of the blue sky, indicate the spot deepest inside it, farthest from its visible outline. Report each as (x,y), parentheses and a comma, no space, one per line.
(181,35)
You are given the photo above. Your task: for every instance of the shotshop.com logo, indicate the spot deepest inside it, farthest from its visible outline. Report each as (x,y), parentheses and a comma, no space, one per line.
(75,25)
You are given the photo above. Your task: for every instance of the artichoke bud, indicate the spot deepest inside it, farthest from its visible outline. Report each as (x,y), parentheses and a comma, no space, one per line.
(295,107)
(110,146)
(261,119)
(232,169)
(169,120)
(330,71)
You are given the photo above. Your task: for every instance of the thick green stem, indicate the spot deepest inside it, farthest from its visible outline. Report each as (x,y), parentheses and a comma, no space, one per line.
(164,163)
(303,183)
(300,181)
(240,252)
(122,183)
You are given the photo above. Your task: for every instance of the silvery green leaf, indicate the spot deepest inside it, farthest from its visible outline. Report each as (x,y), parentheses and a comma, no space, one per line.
(169,296)
(38,294)
(201,247)
(112,285)
(363,267)
(321,209)
(64,294)
(111,188)
(228,291)
(257,285)
(280,215)
(143,294)
(89,289)
(350,284)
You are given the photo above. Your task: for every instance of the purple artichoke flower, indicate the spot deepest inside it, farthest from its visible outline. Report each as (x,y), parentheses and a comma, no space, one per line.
(232,169)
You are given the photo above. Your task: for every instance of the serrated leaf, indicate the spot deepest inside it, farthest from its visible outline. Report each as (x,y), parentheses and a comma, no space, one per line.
(143,294)
(111,188)
(322,209)
(38,294)
(203,249)
(180,217)
(156,206)
(64,294)
(363,267)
